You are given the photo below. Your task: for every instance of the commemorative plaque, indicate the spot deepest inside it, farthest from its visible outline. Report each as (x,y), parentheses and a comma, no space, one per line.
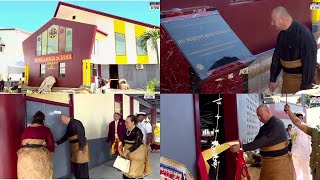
(207,43)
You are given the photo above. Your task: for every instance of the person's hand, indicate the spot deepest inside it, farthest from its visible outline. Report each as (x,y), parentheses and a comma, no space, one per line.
(149,148)
(120,149)
(44,143)
(125,153)
(80,153)
(286,108)
(272,86)
(235,148)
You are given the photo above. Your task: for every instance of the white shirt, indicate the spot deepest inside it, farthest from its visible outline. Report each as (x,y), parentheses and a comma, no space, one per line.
(146,128)
(116,128)
(301,143)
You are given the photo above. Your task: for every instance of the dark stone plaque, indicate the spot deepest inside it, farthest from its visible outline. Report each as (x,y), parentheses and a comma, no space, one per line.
(206,41)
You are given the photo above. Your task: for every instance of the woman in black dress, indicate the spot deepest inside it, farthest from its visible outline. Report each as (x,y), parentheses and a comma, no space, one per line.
(133,149)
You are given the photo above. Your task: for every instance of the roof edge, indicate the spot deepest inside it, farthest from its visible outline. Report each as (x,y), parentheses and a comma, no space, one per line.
(103,14)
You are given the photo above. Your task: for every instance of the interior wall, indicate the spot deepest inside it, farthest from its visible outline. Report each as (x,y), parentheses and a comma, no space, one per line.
(12,124)
(61,156)
(178,130)
(95,111)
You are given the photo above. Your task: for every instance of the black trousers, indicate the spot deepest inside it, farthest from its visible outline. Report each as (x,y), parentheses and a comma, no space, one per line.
(81,171)
(125,177)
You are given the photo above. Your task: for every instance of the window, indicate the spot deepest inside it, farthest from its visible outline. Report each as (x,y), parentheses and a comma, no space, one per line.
(56,39)
(120,44)
(1,49)
(44,39)
(68,39)
(62,72)
(95,49)
(42,70)
(140,49)
(53,39)
(38,49)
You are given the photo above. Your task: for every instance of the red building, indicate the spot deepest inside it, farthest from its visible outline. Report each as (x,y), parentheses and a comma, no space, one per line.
(79,43)
(66,64)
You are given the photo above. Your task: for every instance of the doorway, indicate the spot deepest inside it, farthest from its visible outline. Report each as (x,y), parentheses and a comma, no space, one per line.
(114,76)
(61,162)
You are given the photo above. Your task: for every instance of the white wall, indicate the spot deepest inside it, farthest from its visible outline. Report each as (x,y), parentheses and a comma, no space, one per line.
(13,51)
(126,106)
(95,111)
(107,54)
(313,115)
(136,106)
(106,25)
(131,47)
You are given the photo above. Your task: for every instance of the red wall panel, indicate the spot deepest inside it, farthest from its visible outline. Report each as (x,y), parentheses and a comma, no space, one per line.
(12,123)
(119,99)
(250,20)
(82,41)
(232,129)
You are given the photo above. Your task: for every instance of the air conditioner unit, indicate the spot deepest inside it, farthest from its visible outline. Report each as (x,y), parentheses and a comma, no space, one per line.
(139,66)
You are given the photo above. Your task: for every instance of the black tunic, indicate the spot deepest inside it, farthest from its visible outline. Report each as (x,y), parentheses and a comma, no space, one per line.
(271,133)
(136,136)
(75,127)
(297,42)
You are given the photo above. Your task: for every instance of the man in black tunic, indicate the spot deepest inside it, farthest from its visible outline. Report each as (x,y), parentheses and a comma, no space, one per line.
(295,53)
(79,146)
(272,141)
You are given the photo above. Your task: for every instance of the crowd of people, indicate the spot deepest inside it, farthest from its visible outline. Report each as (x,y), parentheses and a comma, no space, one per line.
(130,138)
(278,161)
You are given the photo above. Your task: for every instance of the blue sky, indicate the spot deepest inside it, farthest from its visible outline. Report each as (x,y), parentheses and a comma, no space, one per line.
(31,15)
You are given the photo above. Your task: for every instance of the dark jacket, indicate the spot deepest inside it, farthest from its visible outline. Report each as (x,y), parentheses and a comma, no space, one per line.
(121,130)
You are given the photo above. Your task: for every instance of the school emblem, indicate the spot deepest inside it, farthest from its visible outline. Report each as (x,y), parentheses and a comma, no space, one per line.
(53,33)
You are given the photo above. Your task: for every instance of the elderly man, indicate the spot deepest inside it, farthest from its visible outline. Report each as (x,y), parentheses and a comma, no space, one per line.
(116,133)
(78,145)
(295,53)
(272,140)
(301,150)
(315,135)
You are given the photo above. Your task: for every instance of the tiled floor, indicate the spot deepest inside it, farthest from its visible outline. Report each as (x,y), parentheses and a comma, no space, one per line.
(107,171)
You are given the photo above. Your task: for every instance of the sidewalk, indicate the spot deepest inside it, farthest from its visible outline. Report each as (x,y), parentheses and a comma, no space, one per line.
(107,171)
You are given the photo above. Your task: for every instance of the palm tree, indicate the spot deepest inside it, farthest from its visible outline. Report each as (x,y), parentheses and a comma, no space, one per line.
(153,35)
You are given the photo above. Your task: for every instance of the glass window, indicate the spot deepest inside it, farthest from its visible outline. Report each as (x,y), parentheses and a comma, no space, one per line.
(44,42)
(38,46)
(62,70)
(120,44)
(68,39)
(62,39)
(56,39)
(140,50)
(117,107)
(95,49)
(42,70)
(53,39)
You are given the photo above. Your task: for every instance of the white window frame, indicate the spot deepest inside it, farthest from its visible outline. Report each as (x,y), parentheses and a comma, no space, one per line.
(62,69)
(42,70)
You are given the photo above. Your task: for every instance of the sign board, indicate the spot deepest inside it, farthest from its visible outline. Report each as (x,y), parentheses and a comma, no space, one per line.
(248,122)
(206,41)
(53,58)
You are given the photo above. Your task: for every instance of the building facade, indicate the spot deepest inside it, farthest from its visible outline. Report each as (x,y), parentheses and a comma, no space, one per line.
(79,44)
(11,53)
